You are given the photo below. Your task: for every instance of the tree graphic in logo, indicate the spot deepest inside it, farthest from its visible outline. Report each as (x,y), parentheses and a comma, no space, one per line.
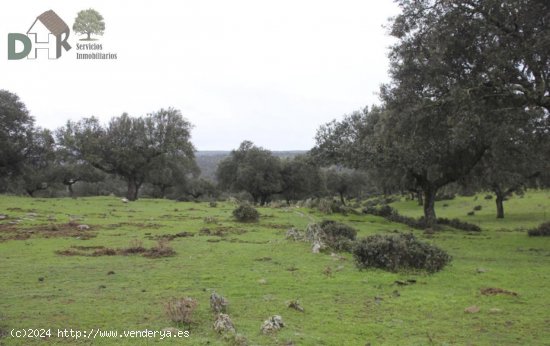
(89,22)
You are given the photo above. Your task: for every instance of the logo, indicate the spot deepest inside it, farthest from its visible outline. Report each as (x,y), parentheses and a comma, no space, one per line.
(48,32)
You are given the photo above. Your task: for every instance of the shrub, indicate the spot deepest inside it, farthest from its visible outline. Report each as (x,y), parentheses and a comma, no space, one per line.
(210,219)
(333,230)
(477,208)
(456,223)
(246,213)
(488,196)
(213,204)
(471,213)
(181,310)
(543,230)
(335,235)
(218,303)
(325,206)
(383,211)
(162,249)
(136,246)
(398,252)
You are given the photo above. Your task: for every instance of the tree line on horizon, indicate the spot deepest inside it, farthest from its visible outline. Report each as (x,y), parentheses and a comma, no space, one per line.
(467,109)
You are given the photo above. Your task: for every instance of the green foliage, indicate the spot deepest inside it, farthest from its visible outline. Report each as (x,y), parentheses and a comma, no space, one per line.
(393,215)
(246,213)
(383,210)
(130,147)
(15,132)
(344,183)
(334,229)
(543,230)
(301,178)
(89,22)
(458,224)
(251,169)
(38,168)
(398,252)
(334,235)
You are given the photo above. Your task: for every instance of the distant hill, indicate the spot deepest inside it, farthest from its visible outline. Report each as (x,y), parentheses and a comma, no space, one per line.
(208,160)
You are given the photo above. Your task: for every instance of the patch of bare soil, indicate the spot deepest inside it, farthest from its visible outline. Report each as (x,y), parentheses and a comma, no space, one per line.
(162,249)
(221,231)
(135,224)
(279,226)
(492,291)
(171,236)
(67,230)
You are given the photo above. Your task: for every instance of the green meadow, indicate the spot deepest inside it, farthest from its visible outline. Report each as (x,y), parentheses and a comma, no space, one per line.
(50,278)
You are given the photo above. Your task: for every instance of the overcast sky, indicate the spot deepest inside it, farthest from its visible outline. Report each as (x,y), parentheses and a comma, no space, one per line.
(267,71)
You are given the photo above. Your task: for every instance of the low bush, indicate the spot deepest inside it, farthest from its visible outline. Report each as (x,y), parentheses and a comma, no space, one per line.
(162,249)
(461,225)
(383,211)
(391,214)
(246,213)
(334,235)
(398,252)
(543,230)
(212,204)
(136,246)
(181,310)
(478,208)
(333,230)
(488,196)
(210,219)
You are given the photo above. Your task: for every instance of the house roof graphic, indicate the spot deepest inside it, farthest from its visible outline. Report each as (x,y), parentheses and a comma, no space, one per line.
(52,22)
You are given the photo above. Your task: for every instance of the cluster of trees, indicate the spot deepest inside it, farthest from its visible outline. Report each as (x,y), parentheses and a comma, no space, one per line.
(154,149)
(468,105)
(468,102)
(266,177)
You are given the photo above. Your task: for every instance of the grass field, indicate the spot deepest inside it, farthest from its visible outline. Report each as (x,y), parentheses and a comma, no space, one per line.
(259,271)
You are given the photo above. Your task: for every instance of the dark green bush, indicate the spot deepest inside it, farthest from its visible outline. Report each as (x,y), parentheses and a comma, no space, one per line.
(246,213)
(391,214)
(477,208)
(334,235)
(461,225)
(383,211)
(398,252)
(334,231)
(543,230)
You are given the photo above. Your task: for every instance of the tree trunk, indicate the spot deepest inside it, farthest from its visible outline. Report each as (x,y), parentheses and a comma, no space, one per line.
(500,205)
(263,200)
(88,36)
(163,191)
(71,192)
(419,198)
(499,200)
(133,189)
(429,204)
(342,199)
